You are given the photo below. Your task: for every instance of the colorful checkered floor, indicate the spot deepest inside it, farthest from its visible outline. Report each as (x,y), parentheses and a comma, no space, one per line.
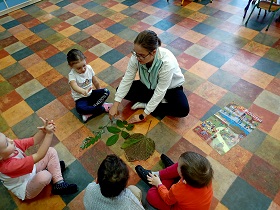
(222,61)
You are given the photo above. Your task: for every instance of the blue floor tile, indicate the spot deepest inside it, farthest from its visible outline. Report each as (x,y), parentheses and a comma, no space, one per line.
(243,196)
(163,25)
(112,56)
(76,174)
(267,66)
(215,59)
(203,28)
(23,53)
(39,99)
(57,59)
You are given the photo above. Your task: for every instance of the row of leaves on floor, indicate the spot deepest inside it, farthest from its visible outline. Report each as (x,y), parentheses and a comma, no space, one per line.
(119,129)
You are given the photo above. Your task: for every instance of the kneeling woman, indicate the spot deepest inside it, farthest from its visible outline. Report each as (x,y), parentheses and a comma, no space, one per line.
(159,90)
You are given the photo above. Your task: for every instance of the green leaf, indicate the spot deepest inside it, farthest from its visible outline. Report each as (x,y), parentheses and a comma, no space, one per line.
(100,127)
(129,142)
(112,140)
(120,123)
(113,129)
(124,134)
(98,136)
(89,141)
(125,122)
(129,127)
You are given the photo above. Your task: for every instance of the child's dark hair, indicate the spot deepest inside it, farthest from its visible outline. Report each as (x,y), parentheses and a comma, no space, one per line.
(112,176)
(148,40)
(196,169)
(74,56)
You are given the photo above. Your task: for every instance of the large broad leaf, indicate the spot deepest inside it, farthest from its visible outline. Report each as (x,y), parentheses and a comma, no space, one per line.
(113,129)
(129,142)
(140,150)
(120,124)
(124,134)
(112,140)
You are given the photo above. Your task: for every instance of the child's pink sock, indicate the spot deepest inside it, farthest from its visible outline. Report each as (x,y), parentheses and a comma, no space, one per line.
(107,106)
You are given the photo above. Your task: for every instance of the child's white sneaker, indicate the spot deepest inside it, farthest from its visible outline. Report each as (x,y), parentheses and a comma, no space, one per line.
(86,116)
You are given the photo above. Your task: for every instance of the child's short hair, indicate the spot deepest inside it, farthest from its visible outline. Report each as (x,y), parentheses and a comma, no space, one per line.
(112,176)
(74,56)
(196,169)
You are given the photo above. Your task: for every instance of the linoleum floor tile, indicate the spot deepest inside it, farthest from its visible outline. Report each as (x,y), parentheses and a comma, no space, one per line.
(66,125)
(222,60)
(255,173)
(9,100)
(198,105)
(274,86)
(268,101)
(20,110)
(210,92)
(235,160)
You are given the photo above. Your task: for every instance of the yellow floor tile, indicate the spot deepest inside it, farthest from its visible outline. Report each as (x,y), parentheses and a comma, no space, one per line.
(210,92)
(17,113)
(7,61)
(257,77)
(203,69)
(103,35)
(99,65)
(194,6)
(193,36)
(66,125)
(23,34)
(64,44)
(256,48)
(246,33)
(39,68)
(199,17)
(69,31)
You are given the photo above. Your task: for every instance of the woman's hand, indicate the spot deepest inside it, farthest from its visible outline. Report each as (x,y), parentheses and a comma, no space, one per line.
(153,179)
(113,112)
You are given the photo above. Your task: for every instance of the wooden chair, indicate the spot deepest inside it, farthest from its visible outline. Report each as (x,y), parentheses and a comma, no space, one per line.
(267,6)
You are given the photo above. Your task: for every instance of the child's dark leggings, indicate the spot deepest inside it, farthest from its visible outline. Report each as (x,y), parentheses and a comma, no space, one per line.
(177,105)
(93,103)
(167,177)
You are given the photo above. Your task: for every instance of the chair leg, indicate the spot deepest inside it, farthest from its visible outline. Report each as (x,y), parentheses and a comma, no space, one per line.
(259,13)
(182,2)
(250,14)
(264,14)
(270,21)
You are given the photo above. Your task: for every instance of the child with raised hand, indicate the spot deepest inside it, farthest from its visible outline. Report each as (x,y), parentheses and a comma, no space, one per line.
(110,191)
(26,176)
(89,102)
(193,191)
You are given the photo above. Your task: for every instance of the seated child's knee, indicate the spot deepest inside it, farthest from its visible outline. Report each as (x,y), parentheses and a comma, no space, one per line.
(151,194)
(52,151)
(45,177)
(107,91)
